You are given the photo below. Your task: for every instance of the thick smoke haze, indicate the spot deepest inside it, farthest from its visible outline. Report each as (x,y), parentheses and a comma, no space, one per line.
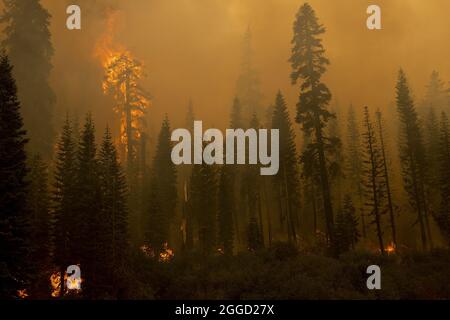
(192,50)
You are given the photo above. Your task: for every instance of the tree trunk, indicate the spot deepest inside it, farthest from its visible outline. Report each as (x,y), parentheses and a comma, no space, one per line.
(388,187)
(269,222)
(328,208)
(418,201)
(290,222)
(376,204)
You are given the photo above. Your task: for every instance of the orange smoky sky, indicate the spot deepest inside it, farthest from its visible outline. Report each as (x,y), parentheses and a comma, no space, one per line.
(191,49)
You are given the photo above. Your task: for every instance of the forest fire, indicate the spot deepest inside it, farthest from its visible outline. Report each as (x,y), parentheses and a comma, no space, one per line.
(122,81)
(106,48)
(110,193)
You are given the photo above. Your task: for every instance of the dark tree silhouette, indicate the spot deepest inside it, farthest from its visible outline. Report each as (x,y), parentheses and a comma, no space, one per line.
(309,64)
(164,179)
(286,182)
(64,199)
(336,161)
(89,229)
(386,178)
(346,227)
(354,162)
(251,191)
(412,156)
(14,216)
(204,205)
(114,213)
(372,177)
(226,209)
(39,206)
(443,216)
(237,122)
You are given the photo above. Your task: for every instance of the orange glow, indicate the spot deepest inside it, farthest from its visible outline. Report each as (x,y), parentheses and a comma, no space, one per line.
(55,282)
(148,251)
(167,254)
(72,285)
(122,76)
(22,294)
(390,249)
(106,47)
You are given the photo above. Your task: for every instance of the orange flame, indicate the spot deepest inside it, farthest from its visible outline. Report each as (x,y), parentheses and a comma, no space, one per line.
(165,256)
(71,284)
(122,75)
(22,294)
(106,47)
(390,249)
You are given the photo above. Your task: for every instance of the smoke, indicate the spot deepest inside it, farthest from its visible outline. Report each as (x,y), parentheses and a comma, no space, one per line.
(191,49)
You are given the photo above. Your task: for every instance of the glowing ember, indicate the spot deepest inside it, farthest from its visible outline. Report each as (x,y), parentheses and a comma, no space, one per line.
(390,249)
(55,282)
(167,254)
(22,294)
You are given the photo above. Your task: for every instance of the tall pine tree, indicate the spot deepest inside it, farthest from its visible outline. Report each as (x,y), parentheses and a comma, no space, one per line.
(412,155)
(286,182)
(251,190)
(308,65)
(237,122)
(204,205)
(39,206)
(64,200)
(354,161)
(14,216)
(164,179)
(114,213)
(387,179)
(373,183)
(346,227)
(89,227)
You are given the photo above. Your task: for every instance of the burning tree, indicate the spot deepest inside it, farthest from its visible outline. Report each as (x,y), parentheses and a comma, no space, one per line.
(122,77)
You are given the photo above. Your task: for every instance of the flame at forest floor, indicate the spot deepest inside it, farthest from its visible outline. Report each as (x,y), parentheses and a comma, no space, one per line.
(72,285)
(390,249)
(166,254)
